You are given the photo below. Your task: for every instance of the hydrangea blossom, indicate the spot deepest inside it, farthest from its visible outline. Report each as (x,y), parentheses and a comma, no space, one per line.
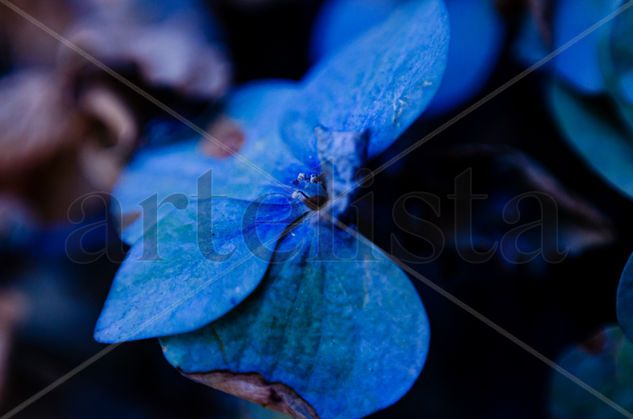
(253,289)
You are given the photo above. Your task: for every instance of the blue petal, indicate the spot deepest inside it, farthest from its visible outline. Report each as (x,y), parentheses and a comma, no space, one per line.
(580,64)
(337,322)
(618,57)
(625,300)
(379,84)
(476,40)
(340,21)
(195,265)
(605,363)
(596,136)
(258,106)
(626,84)
(176,169)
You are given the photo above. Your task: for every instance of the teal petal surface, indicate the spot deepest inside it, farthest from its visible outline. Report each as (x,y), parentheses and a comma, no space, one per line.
(337,322)
(596,135)
(625,300)
(192,267)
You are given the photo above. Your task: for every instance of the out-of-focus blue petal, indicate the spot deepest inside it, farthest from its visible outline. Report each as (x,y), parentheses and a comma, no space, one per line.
(625,300)
(618,57)
(580,64)
(340,21)
(338,323)
(605,363)
(476,40)
(596,135)
(166,8)
(530,46)
(264,161)
(378,84)
(192,267)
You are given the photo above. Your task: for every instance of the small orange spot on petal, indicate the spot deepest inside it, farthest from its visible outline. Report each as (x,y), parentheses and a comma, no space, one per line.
(226,137)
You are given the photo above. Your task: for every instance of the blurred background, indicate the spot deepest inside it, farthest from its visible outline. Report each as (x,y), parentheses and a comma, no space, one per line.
(68,129)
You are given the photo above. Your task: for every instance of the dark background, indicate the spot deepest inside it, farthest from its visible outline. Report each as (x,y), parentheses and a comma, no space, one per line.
(472,371)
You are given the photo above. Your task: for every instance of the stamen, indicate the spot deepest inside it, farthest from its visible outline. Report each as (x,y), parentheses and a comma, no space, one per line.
(312,202)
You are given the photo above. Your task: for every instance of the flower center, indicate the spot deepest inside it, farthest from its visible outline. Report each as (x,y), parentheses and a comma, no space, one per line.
(310,190)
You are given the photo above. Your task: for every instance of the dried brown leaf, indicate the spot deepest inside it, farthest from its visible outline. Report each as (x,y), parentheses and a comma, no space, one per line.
(169,54)
(253,387)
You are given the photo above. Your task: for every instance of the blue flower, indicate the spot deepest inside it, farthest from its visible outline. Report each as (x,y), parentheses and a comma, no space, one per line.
(476,39)
(255,286)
